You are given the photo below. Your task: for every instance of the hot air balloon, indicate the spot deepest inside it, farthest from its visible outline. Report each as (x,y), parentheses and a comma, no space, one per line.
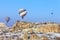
(51,13)
(21,10)
(22,13)
(7,19)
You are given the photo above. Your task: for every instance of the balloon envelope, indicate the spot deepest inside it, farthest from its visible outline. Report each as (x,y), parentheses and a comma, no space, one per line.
(51,13)
(7,19)
(22,10)
(23,13)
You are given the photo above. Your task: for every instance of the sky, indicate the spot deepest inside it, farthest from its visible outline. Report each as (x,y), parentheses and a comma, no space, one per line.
(37,10)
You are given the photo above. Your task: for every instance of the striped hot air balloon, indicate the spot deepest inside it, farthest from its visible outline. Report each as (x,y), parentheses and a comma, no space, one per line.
(22,12)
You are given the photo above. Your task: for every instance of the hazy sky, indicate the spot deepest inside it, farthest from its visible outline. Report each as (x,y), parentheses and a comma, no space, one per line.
(38,10)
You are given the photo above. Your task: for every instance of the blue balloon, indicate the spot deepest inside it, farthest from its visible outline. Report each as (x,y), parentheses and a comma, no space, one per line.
(7,19)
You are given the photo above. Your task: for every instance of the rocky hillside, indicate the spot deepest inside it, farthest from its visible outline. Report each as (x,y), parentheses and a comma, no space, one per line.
(38,27)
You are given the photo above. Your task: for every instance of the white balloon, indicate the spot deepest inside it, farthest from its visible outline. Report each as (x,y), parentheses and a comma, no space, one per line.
(21,10)
(23,13)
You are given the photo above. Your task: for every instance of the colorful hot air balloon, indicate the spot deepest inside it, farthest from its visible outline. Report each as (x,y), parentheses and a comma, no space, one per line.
(22,12)
(7,19)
